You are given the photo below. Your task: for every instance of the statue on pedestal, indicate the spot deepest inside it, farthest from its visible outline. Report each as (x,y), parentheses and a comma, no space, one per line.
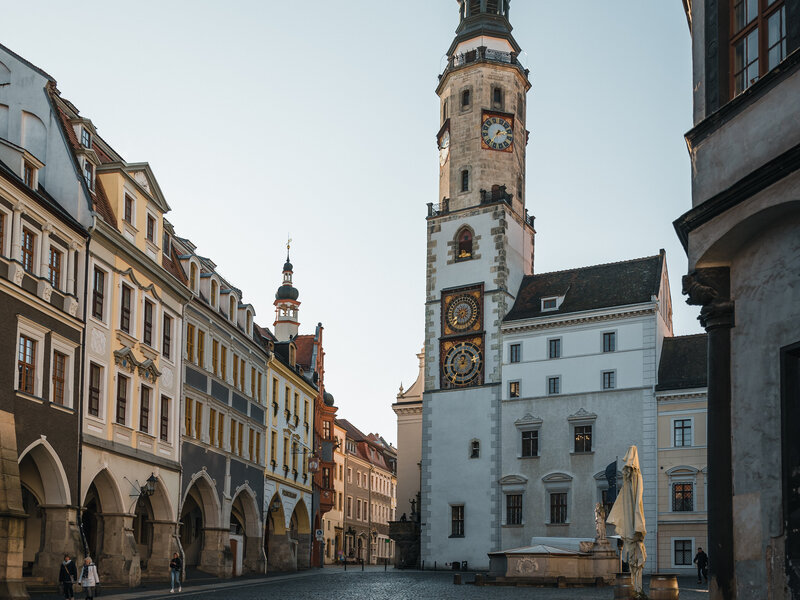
(600,522)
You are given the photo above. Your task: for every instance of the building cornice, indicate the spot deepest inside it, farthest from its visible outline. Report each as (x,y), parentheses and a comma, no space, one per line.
(579,318)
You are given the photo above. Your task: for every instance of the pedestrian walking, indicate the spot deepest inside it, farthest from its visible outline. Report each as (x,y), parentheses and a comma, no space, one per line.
(89,578)
(701,560)
(67,576)
(175,567)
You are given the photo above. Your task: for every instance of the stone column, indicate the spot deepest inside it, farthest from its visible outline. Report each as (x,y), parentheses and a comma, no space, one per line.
(119,559)
(71,301)
(44,287)
(163,546)
(253,554)
(12,514)
(215,555)
(15,271)
(281,553)
(710,288)
(61,536)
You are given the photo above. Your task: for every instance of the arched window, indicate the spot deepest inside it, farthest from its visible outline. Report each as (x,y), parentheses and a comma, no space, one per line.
(465,180)
(497,97)
(232,308)
(193,277)
(214,291)
(464,245)
(249,323)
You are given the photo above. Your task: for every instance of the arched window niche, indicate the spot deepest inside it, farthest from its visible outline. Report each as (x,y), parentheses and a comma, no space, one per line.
(464,244)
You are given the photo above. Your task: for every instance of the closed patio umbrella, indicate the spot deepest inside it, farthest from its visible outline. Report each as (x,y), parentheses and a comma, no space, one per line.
(627,516)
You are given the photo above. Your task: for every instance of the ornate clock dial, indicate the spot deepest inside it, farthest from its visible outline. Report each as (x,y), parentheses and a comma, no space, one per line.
(444,148)
(462,312)
(463,363)
(497,133)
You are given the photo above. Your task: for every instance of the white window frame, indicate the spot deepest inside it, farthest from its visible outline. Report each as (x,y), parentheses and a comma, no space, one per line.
(510,346)
(560,347)
(108,300)
(603,376)
(156,230)
(514,490)
(547,299)
(682,474)
(130,400)
(37,333)
(86,130)
(90,184)
(672,430)
(520,431)
(5,243)
(134,306)
(616,341)
(153,394)
(173,335)
(102,403)
(519,388)
(69,349)
(547,385)
(155,335)
(549,491)
(64,264)
(672,541)
(170,432)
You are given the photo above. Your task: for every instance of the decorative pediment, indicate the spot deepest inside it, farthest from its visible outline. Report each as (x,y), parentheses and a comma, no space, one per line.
(148,370)
(513,480)
(124,358)
(557,478)
(582,415)
(682,470)
(528,421)
(601,476)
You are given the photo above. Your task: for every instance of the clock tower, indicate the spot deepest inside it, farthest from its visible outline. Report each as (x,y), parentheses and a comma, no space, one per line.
(480,245)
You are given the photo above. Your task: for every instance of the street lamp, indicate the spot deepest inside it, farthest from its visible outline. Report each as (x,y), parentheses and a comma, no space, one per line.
(149,487)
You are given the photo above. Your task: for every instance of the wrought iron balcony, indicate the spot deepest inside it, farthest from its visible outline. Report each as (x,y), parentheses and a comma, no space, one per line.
(483,54)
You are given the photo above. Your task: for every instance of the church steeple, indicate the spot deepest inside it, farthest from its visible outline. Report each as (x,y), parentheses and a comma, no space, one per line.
(479,18)
(287,306)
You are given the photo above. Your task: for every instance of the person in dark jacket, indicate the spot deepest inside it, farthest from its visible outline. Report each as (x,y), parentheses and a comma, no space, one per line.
(175,567)
(67,576)
(701,560)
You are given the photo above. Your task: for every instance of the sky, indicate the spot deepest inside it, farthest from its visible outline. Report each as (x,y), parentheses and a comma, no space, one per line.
(316,120)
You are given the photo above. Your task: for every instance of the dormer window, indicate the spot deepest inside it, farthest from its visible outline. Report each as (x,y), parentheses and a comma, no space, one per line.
(232,308)
(550,303)
(88,173)
(86,138)
(214,292)
(165,243)
(249,323)
(193,277)
(29,174)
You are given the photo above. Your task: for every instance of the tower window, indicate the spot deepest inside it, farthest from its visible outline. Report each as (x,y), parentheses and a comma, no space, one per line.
(475,449)
(464,245)
(465,99)
(497,97)
(465,180)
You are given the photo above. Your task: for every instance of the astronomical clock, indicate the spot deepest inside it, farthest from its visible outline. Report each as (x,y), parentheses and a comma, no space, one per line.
(462,341)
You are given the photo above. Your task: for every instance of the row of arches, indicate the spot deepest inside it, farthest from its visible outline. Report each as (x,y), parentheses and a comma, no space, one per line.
(133,538)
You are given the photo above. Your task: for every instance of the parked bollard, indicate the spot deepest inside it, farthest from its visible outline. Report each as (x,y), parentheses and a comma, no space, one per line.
(434,565)
(457,579)
(362,564)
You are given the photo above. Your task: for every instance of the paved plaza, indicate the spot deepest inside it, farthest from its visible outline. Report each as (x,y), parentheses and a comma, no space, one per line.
(371,584)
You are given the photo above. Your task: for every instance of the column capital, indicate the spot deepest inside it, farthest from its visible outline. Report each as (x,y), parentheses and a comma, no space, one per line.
(710,288)
(47,229)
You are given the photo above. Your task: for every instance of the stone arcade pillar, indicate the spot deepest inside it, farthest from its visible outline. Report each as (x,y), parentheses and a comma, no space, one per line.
(61,536)
(164,544)
(215,554)
(282,553)
(253,557)
(304,551)
(12,514)
(119,560)
(710,288)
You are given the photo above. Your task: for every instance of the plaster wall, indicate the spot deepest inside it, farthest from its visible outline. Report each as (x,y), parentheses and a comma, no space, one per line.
(452,421)
(409,455)
(764,285)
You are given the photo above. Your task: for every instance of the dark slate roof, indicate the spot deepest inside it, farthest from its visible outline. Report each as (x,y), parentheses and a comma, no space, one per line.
(589,288)
(684,362)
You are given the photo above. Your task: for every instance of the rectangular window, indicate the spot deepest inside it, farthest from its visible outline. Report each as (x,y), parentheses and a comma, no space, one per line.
(212,426)
(98,293)
(201,348)
(287,394)
(2,231)
(164,429)
(682,432)
(28,241)
(166,337)
(151,229)
(758,41)
(128,215)
(609,380)
(59,377)
(514,353)
(558,507)
(273,447)
(513,389)
(285,453)
(583,438)
(683,553)
(305,412)
(28,173)
(233,436)
(464,180)
(86,138)
(95,377)
(144,410)
(610,341)
(457,521)
(549,303)
(250,441)
(326,430)
(187,417)
(240,440)
(27,364)
(190,342)
(349,475)
(358,509)
(122,398)
(147,334)
(554,385)
(257,458)
(530,444)
(252,382)
(215,357)
(220,430)
(198,420)
(554,348)
(165,245)
(55,267)
(514,509)
(349,507)
(125,312)
(235,370)
(682,497)
(241,374)
(88,174)
(260,388)
(223,362)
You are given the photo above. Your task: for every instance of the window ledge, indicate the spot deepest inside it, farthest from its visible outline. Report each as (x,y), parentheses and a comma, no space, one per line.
(67,409)
(527,457)
(582,453)
(455,536)
(31,397)
(520,526)
(557,524)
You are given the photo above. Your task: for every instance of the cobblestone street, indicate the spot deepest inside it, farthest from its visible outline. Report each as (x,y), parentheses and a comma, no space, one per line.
(373,584)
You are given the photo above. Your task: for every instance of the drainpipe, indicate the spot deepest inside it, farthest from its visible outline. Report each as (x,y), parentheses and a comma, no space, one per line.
(81,389)
(710,288)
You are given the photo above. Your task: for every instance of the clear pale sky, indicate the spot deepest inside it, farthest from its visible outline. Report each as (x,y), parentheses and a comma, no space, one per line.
(318,119)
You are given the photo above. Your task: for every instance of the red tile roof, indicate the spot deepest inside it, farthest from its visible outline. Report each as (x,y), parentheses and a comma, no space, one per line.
(172,265)
(305,349)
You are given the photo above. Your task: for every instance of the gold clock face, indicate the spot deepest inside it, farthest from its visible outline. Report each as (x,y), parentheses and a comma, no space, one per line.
(497,133)
(462,312)
(463,364)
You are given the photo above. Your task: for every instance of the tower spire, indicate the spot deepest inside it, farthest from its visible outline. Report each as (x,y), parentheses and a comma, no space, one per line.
(484,18)
(287,306)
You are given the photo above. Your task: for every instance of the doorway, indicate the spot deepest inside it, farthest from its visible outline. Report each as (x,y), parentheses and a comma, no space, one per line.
(790,404)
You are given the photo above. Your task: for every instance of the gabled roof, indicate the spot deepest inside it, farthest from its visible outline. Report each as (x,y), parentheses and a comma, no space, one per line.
(305,348)
(172,265)
(684,362)
(590,288)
